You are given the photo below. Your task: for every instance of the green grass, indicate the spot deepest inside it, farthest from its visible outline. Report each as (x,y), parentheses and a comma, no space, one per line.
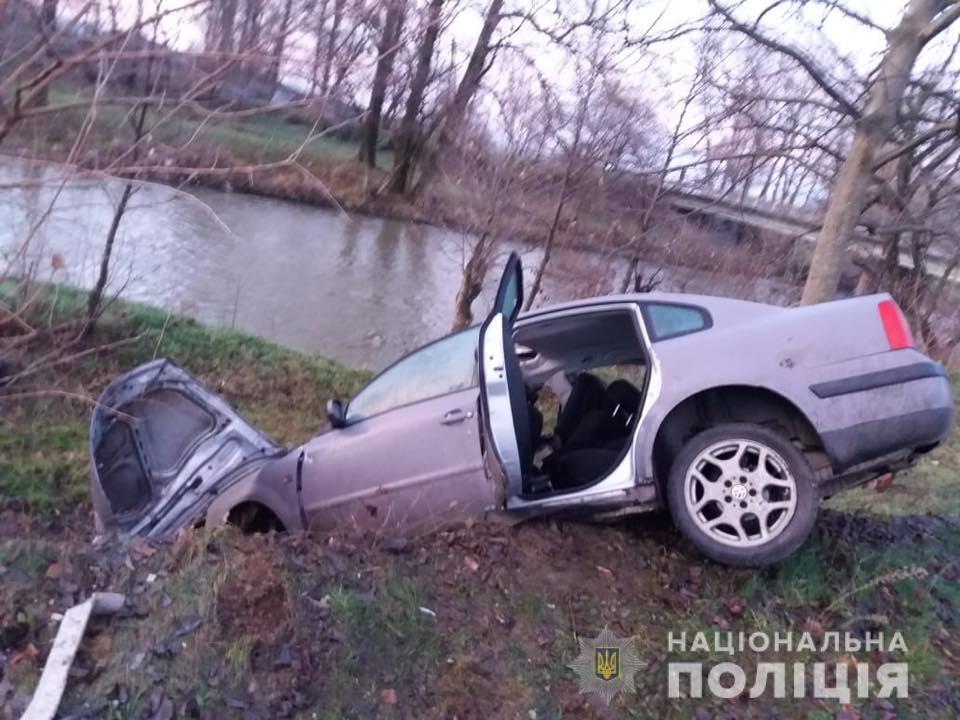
(43,465)
(30,558)
(385,634)
(269,137)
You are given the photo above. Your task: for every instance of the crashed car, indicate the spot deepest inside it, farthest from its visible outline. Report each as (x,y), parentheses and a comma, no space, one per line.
(738,417)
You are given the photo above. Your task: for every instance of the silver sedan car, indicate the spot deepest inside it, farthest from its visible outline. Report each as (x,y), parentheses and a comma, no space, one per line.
(736,416)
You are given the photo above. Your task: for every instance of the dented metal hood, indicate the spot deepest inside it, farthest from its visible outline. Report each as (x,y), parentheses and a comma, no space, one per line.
(162,446)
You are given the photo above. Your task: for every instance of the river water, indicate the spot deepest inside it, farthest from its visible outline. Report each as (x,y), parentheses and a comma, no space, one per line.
(360,289)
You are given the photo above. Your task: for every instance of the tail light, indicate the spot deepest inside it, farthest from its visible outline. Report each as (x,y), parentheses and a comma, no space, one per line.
(895,325)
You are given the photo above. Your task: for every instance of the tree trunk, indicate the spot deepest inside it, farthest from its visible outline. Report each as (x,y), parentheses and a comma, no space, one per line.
(250,36)
(471,283)
(96,294)
(406,143)
(551,234)
(276,57)
(873,129)
(331,53)
(386,52)
(48,20)
(469,83)
(227,20)
(318,38)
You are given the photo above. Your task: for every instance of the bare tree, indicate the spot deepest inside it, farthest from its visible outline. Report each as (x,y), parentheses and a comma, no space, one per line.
(221,24)
(138,123)
(922,21)
(279,42)
(454,113)
(322,42)
(575,162)
(407,139)
(386,52)
(601,133)
(915,211)
(251,25)
(651,201)
(497,174)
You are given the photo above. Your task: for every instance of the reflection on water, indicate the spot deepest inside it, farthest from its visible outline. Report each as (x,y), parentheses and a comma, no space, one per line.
(360,289)
(357,288)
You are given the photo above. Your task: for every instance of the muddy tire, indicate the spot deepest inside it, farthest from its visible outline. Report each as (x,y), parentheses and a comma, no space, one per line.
(743,494)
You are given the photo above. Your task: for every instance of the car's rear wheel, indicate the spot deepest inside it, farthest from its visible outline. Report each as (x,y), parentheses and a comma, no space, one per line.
(743,494)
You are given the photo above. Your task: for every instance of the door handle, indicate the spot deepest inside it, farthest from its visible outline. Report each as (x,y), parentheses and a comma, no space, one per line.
(452,417)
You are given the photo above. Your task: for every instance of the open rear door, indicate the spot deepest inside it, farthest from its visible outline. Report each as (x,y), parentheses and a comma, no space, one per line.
(503,395)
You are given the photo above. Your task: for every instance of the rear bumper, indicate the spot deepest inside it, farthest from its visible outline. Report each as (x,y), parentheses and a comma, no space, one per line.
(912,414)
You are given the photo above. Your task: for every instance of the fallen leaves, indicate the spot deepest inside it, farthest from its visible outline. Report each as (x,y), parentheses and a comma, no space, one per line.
(734,606)
(814,627)
(101,648)
(884,482)
(141,547)
(606,572)
(30,652)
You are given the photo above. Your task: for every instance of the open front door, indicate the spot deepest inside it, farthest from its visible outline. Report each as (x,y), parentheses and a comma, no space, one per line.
(503,395)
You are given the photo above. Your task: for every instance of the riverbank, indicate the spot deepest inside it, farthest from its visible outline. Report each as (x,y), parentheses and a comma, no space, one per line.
(474,623)
(270,156)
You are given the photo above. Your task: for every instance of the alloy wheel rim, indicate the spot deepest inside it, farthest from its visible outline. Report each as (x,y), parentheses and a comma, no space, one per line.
(740,493)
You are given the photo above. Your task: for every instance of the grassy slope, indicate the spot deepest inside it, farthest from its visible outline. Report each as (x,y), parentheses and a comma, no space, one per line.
(43,440)
(258,138)
(223,625)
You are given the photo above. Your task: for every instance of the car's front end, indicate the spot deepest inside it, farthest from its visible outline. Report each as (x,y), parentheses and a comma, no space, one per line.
(163,446)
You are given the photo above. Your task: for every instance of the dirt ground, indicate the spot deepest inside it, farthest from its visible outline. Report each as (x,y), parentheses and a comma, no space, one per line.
(478,622)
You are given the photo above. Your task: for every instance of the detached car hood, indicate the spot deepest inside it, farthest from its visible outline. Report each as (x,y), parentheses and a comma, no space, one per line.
(163,446)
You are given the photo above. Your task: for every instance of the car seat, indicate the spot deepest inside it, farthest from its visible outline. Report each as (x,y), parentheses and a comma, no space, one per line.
(587,395)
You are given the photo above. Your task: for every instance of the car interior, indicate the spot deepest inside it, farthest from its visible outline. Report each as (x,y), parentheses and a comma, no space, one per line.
(584,376)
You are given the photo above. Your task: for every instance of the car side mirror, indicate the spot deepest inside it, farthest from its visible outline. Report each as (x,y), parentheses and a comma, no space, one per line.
(336,413)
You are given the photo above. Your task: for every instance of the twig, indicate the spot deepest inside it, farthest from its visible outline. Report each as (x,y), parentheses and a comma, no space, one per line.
(163,331)
(41,364)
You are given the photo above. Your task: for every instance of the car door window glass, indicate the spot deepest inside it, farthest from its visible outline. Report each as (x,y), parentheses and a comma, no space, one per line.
(510,291)
(667,321)
(442,367)
(510,297)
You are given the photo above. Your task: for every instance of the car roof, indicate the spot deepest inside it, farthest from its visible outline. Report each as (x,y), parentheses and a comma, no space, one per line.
(723,308)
